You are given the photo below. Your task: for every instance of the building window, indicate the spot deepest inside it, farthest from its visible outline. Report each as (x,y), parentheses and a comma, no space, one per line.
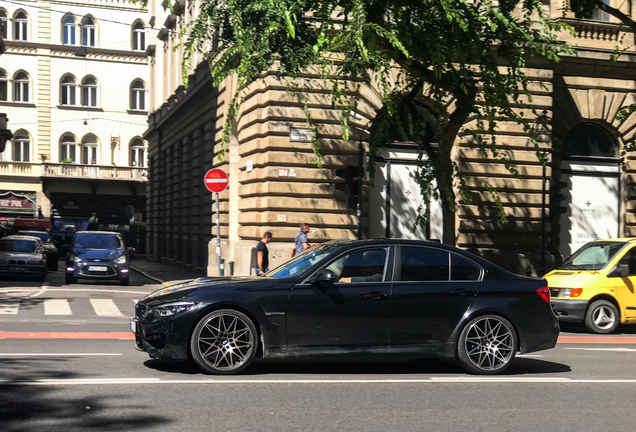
(4,25)
(68,91)
(139,37)
(89,92)
(68,149)
(68,31)
(89,150)
(88,32)
(137,154)
(4,86)
(21,148)
(599,14)
(21,88)
(20,26)
(138,96)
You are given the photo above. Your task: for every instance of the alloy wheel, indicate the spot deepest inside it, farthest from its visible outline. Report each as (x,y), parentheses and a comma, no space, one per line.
(487,345)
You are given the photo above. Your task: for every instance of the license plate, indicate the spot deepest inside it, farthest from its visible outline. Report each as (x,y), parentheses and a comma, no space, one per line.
(97,268)
(18,269)
(133,326)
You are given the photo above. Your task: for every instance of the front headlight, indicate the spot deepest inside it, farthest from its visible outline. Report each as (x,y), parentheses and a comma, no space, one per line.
(121,260)
(74,258)
(33,262)
(171,309)
(570,292)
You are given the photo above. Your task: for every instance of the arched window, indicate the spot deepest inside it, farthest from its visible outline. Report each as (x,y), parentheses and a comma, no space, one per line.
(138,96)
(89,92)
(67,91)
(589,140)
(137,153)
(68,149)
(68,31)
(89,150)
(88,32)
(4,25)
(20,26)
(21,87)
(4,86)
(139,37)
(21,147)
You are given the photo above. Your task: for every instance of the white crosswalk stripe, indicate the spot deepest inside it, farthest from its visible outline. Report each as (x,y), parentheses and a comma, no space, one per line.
(57,307)
(9,306)
(105,307)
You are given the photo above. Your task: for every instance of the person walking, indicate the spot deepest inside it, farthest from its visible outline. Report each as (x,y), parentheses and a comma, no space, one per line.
(262,254)
(301,243)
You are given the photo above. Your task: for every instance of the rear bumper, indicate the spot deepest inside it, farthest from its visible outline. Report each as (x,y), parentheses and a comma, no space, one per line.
(570,310)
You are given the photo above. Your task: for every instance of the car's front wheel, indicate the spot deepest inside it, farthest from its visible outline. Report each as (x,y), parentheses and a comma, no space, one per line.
(487,345)
(602,317)
(224,342)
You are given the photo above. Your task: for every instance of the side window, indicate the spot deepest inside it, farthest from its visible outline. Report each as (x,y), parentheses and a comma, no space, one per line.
(362,266)
(630,260)
(424,264)
(463,270)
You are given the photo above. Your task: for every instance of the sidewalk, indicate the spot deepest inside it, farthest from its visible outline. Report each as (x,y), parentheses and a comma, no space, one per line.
(163,273)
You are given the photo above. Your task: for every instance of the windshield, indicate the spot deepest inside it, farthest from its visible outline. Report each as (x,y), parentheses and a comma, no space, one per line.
(41,235)
(97,241)
(593,256)
(302,262)
(8,245)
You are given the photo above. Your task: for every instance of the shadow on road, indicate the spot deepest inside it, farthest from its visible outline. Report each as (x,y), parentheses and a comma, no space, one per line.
(520,366)
(27,407)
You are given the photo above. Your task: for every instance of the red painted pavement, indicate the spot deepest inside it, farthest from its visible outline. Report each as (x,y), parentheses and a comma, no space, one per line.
(65,335)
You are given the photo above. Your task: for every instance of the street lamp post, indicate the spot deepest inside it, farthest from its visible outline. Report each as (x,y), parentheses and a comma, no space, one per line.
(543,135)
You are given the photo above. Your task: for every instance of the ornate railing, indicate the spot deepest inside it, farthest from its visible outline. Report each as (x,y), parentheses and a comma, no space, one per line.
(20,168)
(94,171)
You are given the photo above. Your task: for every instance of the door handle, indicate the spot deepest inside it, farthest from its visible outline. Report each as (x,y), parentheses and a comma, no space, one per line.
(377,296)
(462,292)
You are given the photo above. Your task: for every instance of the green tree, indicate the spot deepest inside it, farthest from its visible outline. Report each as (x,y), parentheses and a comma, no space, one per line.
(436,63)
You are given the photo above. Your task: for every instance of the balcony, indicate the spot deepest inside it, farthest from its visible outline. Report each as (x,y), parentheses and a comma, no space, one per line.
(29,169)
(94,172)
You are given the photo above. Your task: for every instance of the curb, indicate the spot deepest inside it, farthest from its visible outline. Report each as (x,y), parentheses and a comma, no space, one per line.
(154,278)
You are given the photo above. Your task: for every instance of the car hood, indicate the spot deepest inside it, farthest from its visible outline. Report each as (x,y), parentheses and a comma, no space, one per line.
(20,255)
(97,253)
(568,278)
(204,285)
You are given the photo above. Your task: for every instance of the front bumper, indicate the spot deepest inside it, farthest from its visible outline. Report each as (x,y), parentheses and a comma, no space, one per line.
(104,271)
(569,310)
(23,270)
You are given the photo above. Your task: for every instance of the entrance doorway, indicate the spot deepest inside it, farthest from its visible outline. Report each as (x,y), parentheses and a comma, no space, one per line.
(590,168)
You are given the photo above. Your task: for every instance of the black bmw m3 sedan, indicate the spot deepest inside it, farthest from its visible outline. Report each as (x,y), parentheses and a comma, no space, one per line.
(399,297)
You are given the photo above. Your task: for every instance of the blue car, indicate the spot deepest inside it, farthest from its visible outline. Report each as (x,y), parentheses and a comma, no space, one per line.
(98,255)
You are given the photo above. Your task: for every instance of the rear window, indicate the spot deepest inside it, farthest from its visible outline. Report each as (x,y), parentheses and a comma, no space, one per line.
(97,241)
(9,245)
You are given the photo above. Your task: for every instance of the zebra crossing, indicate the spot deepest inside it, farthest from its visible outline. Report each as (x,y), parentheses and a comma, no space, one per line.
(67,307)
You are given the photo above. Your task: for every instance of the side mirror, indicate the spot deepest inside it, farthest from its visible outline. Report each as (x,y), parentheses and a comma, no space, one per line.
(323,276)
(621,270)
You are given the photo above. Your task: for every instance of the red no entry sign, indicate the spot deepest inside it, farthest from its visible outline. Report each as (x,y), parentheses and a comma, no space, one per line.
(215,180)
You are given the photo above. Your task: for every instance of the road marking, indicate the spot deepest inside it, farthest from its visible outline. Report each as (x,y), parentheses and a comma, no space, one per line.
(605,349)
(9,306)
(14,289)
(436,380)
(45,285)
(105,307)
(66,335)
(57,354)
(57,307)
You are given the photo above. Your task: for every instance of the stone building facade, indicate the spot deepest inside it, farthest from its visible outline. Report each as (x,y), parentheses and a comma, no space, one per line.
(74,84)
(275,184)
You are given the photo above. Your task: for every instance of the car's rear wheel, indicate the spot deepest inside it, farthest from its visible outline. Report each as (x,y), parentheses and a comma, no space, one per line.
(487,345)
(224,342)
(602,317)
(70,279)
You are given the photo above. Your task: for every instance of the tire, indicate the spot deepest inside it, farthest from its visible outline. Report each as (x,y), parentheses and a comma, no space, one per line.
(224,342)
(602,317)
(125,282)
(487,345)
(70,279)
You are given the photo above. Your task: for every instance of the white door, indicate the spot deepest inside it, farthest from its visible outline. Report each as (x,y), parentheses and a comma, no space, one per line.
(593,205)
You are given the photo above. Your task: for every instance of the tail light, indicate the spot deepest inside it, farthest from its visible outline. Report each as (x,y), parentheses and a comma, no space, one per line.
(544,293)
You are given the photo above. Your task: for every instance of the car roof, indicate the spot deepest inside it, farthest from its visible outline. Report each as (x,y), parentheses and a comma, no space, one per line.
(24,237)
(97,232)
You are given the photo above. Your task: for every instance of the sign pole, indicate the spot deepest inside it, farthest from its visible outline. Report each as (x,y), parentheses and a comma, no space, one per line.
(218,235)
(216,181)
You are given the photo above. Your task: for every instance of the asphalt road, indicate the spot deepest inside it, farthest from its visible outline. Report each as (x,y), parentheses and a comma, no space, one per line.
(53,380)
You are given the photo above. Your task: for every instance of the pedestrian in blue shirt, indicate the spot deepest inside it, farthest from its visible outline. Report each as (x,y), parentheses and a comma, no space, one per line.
(301,243)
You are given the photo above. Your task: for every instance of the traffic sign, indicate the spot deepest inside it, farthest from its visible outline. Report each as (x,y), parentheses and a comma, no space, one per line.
(215,180)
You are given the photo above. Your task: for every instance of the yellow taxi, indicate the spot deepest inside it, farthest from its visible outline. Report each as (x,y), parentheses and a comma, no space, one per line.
(597,285)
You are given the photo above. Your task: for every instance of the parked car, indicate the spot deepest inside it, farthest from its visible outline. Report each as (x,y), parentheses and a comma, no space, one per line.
(98,255)
(410,298)
(48,247)
(22,256)
(595,285)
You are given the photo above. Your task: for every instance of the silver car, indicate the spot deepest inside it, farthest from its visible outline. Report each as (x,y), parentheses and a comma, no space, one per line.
(22,256)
